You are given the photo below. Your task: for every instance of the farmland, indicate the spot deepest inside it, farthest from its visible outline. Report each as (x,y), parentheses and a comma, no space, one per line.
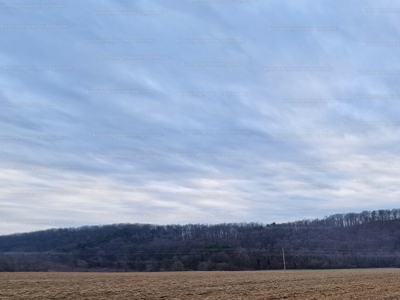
(291,284)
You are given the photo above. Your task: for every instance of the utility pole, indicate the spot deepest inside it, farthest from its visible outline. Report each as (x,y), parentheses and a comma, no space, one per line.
(284,263)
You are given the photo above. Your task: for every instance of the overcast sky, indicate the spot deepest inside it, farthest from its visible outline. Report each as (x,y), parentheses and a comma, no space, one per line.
(196,111)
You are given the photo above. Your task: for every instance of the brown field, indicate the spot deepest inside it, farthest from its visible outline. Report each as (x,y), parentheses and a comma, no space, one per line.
(323,284)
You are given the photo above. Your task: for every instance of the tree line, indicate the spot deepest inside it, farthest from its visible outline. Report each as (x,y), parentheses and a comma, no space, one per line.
(369,239)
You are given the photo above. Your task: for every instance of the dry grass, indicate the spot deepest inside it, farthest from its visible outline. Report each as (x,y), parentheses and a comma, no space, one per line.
(332,284)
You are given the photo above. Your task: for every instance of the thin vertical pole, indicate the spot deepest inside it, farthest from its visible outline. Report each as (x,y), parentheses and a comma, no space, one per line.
(284,263)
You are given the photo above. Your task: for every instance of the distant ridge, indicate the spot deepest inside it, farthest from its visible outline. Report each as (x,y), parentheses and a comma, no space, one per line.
(369,239)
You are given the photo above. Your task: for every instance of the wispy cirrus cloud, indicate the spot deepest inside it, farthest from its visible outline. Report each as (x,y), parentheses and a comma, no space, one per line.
(191,112)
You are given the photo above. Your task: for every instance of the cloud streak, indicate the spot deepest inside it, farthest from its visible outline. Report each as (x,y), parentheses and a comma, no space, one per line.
(192,111)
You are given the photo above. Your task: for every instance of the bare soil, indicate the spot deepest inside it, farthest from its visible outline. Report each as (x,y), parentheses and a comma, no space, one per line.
(322,284)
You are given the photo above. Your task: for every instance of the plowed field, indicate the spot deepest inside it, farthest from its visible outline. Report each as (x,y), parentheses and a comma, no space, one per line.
(324,284)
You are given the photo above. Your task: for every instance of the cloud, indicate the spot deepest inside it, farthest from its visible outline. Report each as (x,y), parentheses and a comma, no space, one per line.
(187,112)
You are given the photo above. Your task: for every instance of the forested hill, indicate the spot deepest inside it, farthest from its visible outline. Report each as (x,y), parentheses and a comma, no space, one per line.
(353,240)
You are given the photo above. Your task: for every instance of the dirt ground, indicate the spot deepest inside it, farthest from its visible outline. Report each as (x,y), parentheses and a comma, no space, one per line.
(323,284)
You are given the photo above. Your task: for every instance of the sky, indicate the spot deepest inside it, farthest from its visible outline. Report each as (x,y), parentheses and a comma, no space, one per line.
(202,111)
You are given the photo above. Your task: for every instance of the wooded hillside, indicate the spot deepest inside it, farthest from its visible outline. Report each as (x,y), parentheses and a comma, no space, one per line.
(353,240)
